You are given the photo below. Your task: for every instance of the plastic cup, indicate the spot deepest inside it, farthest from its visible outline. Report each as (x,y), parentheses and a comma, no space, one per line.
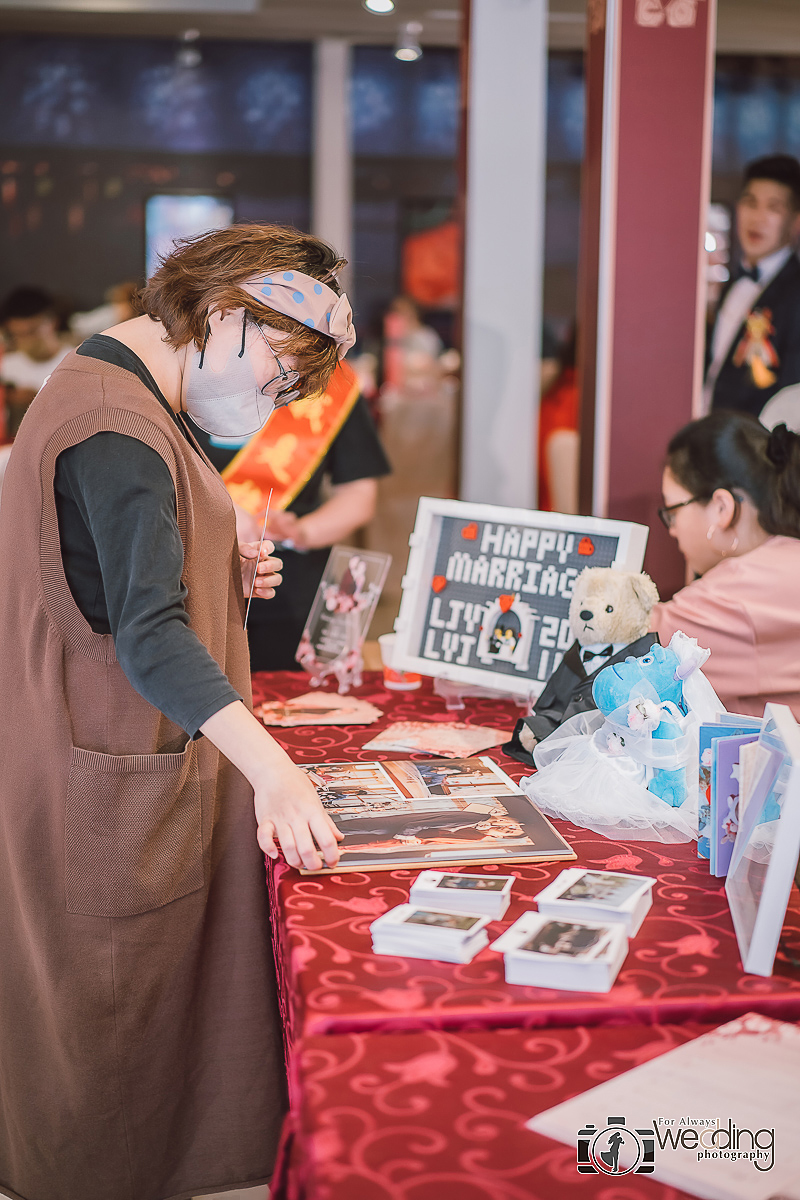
(396,681)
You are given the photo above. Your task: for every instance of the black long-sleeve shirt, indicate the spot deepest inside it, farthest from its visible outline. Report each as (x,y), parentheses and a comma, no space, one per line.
(123,560)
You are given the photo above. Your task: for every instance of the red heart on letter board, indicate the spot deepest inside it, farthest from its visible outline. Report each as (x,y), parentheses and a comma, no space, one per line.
(586,546)
(470,532)
(439,583)
(505,602)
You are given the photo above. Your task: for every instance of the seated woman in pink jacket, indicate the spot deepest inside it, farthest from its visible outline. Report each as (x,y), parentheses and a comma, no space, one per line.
(732,501)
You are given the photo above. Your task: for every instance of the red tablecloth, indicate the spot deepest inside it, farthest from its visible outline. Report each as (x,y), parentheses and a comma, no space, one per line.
(682,966)
(441,1115)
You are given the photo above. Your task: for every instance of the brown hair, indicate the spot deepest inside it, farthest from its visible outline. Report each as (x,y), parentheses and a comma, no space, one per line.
(201,276)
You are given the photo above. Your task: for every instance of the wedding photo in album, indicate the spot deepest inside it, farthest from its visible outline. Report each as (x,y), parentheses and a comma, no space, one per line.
(445,812)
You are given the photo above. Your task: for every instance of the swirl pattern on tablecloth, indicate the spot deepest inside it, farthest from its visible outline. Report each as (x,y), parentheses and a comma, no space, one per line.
(682,965)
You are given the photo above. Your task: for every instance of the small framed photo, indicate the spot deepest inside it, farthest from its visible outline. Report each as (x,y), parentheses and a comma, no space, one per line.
(767,845)
(487,591)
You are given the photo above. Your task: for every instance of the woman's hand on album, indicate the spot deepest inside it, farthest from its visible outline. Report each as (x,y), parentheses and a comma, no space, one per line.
(289,812)
(291,820)
(268,569)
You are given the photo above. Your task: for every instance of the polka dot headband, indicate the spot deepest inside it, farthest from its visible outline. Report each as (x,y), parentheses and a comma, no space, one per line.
(307,300)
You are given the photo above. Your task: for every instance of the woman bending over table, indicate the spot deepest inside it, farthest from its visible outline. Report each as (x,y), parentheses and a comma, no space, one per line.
(140,1039)
(732,501)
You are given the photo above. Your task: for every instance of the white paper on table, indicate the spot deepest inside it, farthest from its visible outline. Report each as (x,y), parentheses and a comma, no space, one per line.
(747,1072)
(445,739)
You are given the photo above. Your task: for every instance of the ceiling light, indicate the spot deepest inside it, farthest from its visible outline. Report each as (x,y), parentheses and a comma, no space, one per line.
(408,48)
(379,6)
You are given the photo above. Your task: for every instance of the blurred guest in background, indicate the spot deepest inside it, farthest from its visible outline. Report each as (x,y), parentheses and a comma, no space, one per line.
(411,349)
(118,308)
(34,349)
(732,502)
(559,443)
(755,345)
(322,459)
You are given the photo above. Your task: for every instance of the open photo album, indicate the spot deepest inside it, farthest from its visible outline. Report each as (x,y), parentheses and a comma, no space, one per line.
(432,812)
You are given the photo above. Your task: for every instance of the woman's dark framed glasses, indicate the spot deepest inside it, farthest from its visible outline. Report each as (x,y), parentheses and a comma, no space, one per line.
(667,513)
(285,392)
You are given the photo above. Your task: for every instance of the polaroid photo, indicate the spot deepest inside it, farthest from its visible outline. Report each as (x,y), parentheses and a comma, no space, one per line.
(599,895)
(489,895)
(415,920)
(474,883)
(414,931)
(460,922)
(564,954)
(567,937)
(765,852)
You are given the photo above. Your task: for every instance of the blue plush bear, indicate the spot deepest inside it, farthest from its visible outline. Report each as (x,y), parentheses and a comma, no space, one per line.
(658,670)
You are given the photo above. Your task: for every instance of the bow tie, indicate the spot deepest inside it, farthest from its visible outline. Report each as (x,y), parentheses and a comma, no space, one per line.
(587,655)
(750,273)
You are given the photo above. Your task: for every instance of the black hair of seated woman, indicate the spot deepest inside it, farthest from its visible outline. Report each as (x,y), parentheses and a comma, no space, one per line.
(735,452)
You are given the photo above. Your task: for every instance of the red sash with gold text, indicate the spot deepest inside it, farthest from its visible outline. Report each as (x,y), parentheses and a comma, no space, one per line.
(287,451)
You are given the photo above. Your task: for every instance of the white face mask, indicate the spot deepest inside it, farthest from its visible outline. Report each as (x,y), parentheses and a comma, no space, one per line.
(228,403)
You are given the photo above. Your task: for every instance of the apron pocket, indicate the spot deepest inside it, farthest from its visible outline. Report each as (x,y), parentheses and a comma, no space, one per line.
(133,835)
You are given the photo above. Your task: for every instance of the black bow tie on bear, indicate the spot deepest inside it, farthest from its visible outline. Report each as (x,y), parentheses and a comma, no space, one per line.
(590,654)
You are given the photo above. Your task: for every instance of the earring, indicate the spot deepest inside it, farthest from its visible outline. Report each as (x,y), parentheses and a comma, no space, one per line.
(712,529)
(735,545)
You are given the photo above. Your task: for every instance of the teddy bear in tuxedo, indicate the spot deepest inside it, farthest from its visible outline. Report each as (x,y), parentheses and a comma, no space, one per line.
(609,615)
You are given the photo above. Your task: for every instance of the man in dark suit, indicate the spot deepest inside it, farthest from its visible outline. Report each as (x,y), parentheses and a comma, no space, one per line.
(755,345)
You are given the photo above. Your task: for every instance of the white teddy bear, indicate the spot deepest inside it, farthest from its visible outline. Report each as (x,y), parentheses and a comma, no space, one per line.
(609,615)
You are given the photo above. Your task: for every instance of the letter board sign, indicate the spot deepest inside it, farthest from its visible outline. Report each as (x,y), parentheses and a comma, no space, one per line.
(487,591)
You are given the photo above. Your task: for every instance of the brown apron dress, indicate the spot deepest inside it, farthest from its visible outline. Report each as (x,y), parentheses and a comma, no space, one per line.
(140,1047)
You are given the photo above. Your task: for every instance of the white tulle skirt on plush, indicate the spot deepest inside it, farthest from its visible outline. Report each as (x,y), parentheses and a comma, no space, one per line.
(585,776)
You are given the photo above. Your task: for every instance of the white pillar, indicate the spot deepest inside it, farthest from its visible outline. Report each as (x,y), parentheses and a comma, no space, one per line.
(504,250)
(332,151)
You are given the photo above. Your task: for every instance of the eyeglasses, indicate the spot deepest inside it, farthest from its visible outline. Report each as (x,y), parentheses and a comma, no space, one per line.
(285,392)
(667,514)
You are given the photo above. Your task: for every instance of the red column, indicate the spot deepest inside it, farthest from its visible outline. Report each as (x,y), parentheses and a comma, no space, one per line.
(645,198)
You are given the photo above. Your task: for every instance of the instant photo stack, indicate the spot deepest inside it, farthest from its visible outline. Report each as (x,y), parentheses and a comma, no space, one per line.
(483,895)
(436,812)
(413,931)
(607,896)
(578,940)
(446,916)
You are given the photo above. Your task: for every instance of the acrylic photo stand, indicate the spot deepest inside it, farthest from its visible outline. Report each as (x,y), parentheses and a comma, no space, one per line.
(453,693)
(340,616)
(487,590)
